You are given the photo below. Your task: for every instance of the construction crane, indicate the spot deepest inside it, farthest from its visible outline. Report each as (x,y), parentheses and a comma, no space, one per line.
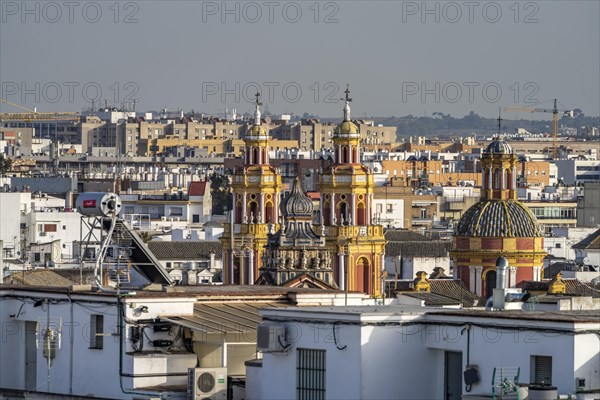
(554,111)
(33,115)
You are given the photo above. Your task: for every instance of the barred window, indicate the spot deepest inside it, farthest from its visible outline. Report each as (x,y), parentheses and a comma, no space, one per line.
(310,382)
(96,331)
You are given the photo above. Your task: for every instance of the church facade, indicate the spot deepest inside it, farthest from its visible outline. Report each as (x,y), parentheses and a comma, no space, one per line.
(278,241)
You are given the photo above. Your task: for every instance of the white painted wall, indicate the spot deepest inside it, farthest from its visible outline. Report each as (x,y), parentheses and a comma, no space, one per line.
(77,369)
(410,266)
(407,361)
(67,230)
(381,214)
(13,208)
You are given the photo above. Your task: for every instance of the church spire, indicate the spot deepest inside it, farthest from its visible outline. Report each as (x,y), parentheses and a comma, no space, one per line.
(257,110)
(347,105)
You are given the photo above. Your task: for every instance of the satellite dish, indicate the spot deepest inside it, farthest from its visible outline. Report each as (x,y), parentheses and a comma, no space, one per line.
(586,261)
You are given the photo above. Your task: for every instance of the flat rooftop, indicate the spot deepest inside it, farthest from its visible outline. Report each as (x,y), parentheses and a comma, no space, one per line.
(176,291)
(368,312)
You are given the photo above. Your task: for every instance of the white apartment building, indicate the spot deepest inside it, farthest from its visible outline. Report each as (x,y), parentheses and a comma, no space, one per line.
(414,353)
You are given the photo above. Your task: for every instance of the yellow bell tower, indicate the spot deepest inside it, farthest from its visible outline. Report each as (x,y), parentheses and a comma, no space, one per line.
(347,189)
(256,189)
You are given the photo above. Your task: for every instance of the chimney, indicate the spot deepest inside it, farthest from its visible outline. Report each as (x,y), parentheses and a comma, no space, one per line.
(212,260)
(501,267)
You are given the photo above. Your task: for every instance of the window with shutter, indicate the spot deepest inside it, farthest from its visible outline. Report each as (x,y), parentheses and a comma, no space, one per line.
(542,370)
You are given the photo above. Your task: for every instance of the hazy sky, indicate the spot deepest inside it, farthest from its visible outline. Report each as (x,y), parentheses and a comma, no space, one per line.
(399,57)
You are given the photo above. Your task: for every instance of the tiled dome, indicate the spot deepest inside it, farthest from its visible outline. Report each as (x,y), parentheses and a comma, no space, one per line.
(498,146)
(346,127)
(297,204)
(498,219)
(257,130)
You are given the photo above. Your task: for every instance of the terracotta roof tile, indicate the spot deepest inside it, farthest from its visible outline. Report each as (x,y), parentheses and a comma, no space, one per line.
(186,250)
(197,188)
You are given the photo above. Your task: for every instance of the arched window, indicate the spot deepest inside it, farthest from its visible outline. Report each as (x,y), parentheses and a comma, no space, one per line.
(238,212)
(490,283)
(361,275)
(497,178)
(361,214)
(344,213)
(269,212)
(327,213)
(253,213)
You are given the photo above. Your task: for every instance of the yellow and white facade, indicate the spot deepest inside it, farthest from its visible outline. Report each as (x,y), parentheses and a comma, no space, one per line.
(347,189)
(256,189)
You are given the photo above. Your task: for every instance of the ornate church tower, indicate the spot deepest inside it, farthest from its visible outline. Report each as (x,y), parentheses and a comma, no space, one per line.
(256,192)
(346,201)
(296,256)
(498,225)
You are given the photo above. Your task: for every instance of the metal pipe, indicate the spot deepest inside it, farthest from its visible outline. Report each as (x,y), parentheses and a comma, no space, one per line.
(501,267)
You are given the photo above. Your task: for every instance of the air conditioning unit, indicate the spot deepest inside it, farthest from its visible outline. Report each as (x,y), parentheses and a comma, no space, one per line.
(163,218)
(270,338)
(207,384)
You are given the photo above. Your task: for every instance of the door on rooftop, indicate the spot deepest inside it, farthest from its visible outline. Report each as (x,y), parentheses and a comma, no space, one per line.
(453,375)
(490,284)
(30,355)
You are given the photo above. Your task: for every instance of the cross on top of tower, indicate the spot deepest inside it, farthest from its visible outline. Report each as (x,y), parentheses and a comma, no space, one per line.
(347,105)
(347,91)
(257,110)
(499,122)
(257,95)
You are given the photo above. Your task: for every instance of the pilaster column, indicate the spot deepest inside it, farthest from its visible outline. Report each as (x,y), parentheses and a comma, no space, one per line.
(472,278)
(332,206)
(244,207)
(514,178)
(251,267)
(341,272)
(478,282)
(322,219)
(369,209)
(353,212)
(262,209)
(241,268)
(537,276)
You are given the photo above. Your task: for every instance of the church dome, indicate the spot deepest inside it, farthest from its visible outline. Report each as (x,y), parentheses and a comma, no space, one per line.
(297,204)
(346,127)
(498,146)
(498,219)
(257,130)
